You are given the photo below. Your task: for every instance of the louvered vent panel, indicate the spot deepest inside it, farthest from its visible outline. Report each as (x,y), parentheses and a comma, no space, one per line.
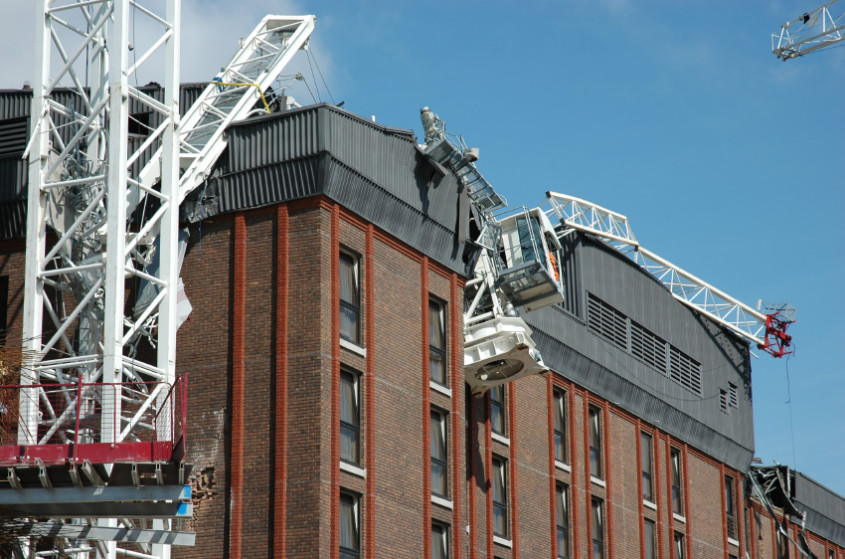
(647,347)
(607,322)
(685,370)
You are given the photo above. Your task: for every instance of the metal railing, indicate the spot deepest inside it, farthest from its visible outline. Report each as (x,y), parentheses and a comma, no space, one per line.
(102,422)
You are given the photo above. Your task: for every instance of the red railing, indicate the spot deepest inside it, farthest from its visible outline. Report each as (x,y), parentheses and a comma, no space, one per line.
(101,422)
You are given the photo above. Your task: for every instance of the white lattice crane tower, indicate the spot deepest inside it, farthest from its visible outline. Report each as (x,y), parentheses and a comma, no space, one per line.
(101,305)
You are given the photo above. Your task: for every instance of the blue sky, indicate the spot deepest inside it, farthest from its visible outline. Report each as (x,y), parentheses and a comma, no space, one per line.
(727,161)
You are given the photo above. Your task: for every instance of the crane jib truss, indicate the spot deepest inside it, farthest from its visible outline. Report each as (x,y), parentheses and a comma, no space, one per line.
(765,329)
(810,32)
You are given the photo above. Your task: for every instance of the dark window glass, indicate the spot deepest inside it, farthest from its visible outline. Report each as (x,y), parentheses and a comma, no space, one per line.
(559,412)
(439,455)
(437,342)
(650,540)
(598,529)
(730,507)
(350,540)
(350,418)
(439,541)
(680,550)
(562,513)
(646,451)
(595,443)
(677,494)
(500,497)
(497,409)
(350,298)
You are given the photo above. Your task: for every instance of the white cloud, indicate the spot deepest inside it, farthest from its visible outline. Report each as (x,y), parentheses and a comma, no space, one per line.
(210,34)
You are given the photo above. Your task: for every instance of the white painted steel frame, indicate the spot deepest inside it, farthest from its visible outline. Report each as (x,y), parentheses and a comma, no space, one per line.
(581,215)
(812,31)
(78,187)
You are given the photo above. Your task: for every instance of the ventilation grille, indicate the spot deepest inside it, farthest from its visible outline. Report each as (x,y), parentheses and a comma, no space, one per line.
(607,322)
(612,326)
(647,347)
(684,370)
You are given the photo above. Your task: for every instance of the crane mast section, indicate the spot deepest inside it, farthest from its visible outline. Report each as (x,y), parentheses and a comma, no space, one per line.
(812,31)
(576,214)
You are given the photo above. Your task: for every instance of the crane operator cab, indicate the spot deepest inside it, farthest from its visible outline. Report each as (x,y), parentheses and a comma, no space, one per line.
(499,349)
(531,275)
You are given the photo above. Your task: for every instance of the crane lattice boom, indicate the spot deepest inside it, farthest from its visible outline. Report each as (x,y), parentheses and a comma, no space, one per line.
(814,30)
(767,331)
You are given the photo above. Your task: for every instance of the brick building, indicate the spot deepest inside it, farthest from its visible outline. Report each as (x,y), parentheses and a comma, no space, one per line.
(328,412)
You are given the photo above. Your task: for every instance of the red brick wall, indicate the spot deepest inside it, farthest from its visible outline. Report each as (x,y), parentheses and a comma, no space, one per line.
(288,357)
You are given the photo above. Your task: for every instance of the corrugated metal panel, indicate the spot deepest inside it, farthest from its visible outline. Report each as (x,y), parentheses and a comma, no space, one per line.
(384,156)
(617,374)
(656,410)
(268,140)
(825,509)
(12,220)
(13,179)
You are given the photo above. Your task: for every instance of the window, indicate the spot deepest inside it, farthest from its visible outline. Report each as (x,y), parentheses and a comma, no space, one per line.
(562,513)
(831,554)
(500,497)
(723,400)
(595,442)
(350,297)
(647,453)
(4,307)
(350,527)
(350,418)
(497,410)
(730,507)
(439,541)
(560,425)
(439,455)
(598,529)
(679,545)
(650,540)
(437,341)
(677,494)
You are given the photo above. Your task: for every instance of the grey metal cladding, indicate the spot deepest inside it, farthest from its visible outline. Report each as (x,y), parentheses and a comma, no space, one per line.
(12,220)
(373,170)
(614,373)
(825,509)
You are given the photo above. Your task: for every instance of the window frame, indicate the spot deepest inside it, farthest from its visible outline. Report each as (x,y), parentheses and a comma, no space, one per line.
(650,536)
(355,501)
(730,508)
(562,520)
(559,420)
(647,459)
(499,406)
(438,352)
(345,375)
(596,459)
(444,535)
(597,536)
(442,463)
(500,471)
(676,480)
(353,307)
(680,545)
